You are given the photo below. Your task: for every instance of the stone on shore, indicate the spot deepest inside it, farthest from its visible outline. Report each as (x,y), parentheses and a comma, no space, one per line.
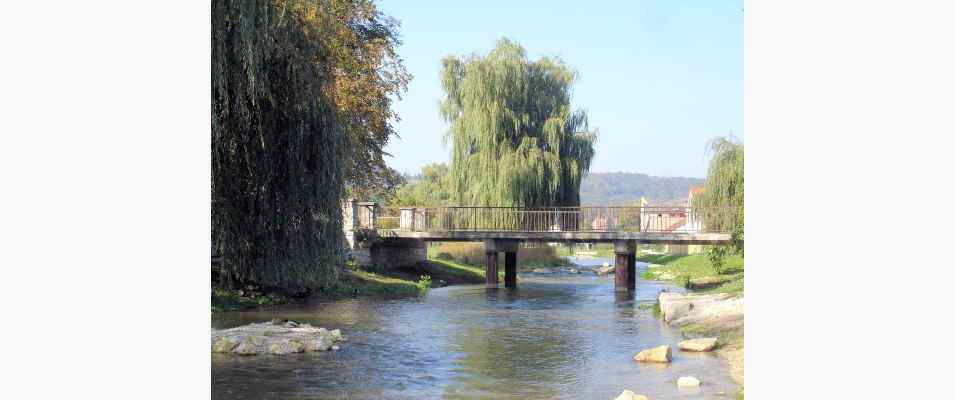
(659,354)
(275,337)
(701,344)
(688,381)
(542,271)
(628,395)
(719,309)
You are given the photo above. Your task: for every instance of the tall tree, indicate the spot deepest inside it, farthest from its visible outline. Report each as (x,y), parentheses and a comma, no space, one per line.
(430,188)
(368,75)
(722,197)
(515,139)
(278,148)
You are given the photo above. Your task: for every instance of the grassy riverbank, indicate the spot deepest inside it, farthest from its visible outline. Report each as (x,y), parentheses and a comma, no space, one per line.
(358,282)
(695,272)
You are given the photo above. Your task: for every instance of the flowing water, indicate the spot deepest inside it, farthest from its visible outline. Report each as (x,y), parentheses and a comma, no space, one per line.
(556,336)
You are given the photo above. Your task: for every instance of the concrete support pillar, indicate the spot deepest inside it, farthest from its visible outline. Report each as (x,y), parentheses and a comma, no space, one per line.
(510,269)
(625,265)
(490,269)
(491,248)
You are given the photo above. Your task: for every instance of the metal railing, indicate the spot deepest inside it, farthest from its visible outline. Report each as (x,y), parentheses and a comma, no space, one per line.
(557,219)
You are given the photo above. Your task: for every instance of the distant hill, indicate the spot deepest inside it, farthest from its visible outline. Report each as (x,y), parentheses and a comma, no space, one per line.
(625,188)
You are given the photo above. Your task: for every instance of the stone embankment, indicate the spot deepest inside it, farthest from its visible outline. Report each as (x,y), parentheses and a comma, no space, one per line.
(717,314)
(277,337)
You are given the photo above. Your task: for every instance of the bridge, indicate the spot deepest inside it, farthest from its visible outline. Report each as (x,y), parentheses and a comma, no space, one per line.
(396,236)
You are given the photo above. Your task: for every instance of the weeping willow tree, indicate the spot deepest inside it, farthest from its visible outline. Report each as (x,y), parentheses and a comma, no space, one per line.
(515,140)
(722,197)
(277,147)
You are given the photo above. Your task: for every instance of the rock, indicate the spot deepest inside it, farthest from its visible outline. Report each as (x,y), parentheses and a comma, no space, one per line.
(224,344)
(542,271)
(660,354)
(604,270)
(336,348)
(245,348)
(681,309)
(688,381)
(573,271)
(701,344)
(320,343)
(628,395)
(275,337)
(286,347)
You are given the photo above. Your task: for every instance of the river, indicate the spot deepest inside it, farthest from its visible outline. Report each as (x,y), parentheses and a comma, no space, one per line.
(557,336)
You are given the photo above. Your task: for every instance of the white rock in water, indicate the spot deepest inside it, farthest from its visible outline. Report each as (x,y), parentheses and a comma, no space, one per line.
(606,264)
(336,348)
(701,344)
(628,395)
(688,381)
(660,354)
(272,338)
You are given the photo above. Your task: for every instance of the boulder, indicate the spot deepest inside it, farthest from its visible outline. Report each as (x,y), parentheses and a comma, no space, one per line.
(701,344)
(542,271)
(573,271)
(688,381)
(659,354)
(681,309)
(278,337)
(628,395)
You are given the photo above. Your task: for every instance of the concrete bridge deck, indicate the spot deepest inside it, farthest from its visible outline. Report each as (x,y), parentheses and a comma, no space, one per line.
(560,236)
(392,236)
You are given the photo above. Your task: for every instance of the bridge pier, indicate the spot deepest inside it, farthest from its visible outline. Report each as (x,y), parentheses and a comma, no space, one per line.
(625,265)
(490,269)
(491,248)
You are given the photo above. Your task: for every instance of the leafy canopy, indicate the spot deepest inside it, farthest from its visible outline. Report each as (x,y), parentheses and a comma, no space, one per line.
(515,140)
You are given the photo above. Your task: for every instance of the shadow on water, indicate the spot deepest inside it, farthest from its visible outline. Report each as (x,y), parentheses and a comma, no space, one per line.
(555,336)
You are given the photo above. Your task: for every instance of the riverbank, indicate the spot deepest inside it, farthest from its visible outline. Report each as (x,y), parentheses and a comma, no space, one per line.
(356,282)
(716,299)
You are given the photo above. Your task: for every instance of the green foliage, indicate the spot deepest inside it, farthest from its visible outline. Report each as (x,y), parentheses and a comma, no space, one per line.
(369,74)
(238,299)
(424,283)
(301,96)
(716,254)
(724,189)
(277,146)
(430,188)
(515,139)
(696,272)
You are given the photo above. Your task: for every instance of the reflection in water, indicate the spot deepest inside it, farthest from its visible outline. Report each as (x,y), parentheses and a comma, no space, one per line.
(556,336)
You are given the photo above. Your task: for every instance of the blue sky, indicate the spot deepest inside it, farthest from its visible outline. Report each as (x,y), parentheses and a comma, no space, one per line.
(658,78)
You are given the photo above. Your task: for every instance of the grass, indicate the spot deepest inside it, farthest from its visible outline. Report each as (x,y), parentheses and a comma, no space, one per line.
(695,272)
(472,255)
(463,272)
(238,299)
